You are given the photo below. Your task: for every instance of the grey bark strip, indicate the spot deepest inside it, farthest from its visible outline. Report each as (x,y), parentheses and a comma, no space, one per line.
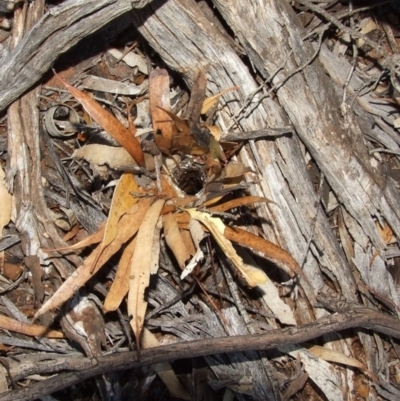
(334,140)
(60,29)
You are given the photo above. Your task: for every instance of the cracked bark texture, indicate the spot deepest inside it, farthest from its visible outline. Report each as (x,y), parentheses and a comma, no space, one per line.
(271,36)
(53,34)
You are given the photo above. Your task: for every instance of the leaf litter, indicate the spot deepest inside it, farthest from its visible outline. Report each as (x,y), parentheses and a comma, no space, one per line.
(141,218)
(200,213)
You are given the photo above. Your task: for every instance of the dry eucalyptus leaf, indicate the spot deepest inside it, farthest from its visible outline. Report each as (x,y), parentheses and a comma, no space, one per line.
(110,86)
(234,203)
(279,308)
(252,275)
(159,105)
(103,154)
(5,201)
(155,249)
(197,234)
(331,355)
(94,238)
(108,122)
(234,170)
(164,370)
(209,102)
(367,25)
(271,251)
(120,286)
(122,201)
(174,240)
(141,263)
(34,330)
(129,224)
(132,59)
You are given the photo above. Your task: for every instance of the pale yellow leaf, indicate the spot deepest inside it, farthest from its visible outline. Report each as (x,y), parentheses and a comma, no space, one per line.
(140,268)
(5,201)
(209,102)
(155,249)
(252,275)
(367,25)
(164,370)
(215,131)
(331,355)
(98,154)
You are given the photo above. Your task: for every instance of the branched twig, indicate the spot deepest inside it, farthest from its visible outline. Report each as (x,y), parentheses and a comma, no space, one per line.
(85,368)
(240,113)
(334,21)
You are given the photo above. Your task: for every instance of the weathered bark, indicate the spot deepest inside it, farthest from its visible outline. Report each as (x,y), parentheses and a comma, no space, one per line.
(333,139)
(57,31)
(24,170)
(269,33)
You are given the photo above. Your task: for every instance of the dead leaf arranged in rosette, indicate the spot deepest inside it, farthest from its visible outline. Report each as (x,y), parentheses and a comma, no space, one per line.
(139,216)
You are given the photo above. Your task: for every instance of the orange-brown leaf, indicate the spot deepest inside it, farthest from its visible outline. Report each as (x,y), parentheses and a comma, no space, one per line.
(175,240)
(122,201)
(247,200)
(36,330)
(120,286)
(271,251)
(108,122)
